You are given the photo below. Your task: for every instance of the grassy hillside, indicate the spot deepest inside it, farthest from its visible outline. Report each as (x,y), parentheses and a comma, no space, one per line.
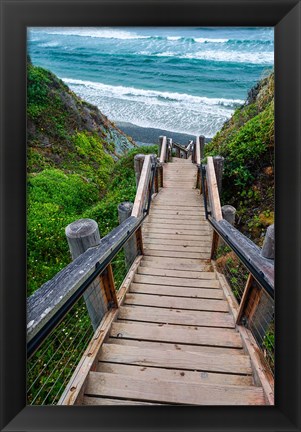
(246,142)
(79,165)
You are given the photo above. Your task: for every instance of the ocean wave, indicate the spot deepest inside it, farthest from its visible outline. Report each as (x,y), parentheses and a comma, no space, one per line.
(264,58)
(51,44)
(103,33)
(148,95)
(208,40)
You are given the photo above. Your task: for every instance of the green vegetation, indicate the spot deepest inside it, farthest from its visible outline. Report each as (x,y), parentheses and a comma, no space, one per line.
(246,142)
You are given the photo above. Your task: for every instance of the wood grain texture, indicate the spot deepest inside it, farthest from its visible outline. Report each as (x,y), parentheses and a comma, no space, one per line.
(176,281)
(177,334)
(175,273)
(187,376)
(160,301)
(175,291)
(111,385)
(175,360)
(176,316)
(169,346)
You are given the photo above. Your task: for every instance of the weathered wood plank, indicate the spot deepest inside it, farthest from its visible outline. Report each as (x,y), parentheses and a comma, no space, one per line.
(161,346)
(176,281)
(178,334)
(151,236)
(175,273)
(142,187)
(202,231)
(177,248)
(111,385)
(179,242)
(177,291)
(88,400)
(176,316)
(155,373)
(177,263)
(187,213)
(177,302)
(173,221)
(213,190)
(171,254)
(175,359)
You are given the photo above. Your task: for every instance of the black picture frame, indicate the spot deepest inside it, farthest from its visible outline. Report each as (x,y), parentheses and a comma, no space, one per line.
(16,16)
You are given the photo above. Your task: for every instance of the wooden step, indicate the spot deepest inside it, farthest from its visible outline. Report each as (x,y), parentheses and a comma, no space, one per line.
(169,346)
(156,374)
(88,400)
(150,229)
(177,221)
(175,392)
(177,263)
(176,316)
(177,248)
(176,281)
(143,270)
(177,334)
(178,242)
(173,254)
(160,301)
(175,360)
(175,291)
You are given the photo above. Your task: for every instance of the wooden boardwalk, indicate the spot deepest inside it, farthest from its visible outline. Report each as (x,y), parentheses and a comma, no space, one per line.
(174,339)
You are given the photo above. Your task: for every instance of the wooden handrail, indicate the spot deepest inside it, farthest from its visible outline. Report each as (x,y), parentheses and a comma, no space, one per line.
(214,199)
(163,150)
(49,302)
(142,189)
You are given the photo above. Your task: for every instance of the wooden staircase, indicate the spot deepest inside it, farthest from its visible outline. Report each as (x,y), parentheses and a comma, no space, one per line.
(174,339)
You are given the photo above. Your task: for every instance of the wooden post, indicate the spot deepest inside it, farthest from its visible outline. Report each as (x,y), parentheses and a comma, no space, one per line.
(214,245)
(130,247)
(244,298)
(218,162)
(198,178)
(202,145)
(228,213)
(163,150)
(107,279)
(160,145)
(169,150)
(193,153)
(160,168)
(268,248)
(138,164)
(82,235)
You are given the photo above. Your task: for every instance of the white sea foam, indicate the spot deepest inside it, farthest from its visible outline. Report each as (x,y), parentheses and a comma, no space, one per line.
(149,95)
(51,44)
(207,40)
(264,57)
(103,33)
(166,110)
(174,38)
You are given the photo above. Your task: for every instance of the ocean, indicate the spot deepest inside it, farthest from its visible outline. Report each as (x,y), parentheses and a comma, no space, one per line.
(184,79)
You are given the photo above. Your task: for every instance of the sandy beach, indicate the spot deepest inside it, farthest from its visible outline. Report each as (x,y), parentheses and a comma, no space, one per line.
(151,135)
